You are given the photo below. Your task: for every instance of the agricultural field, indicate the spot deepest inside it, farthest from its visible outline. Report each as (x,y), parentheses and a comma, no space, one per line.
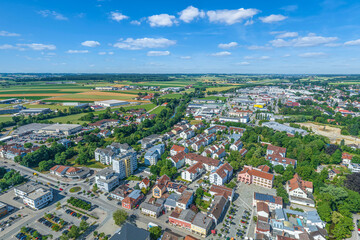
(5,118)
(71,118)
(96,96)
(214,98)
(219,89)
(172,95)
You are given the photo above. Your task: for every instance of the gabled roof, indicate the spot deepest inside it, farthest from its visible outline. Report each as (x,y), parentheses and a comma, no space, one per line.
(296,182)
(178,148)
(276,149)
(223,170)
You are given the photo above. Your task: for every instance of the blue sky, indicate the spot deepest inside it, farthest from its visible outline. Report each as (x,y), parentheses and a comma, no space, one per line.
(228,36)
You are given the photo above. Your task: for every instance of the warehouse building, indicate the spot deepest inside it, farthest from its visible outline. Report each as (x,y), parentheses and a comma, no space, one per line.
(111,103)
(65,129)
(35,111)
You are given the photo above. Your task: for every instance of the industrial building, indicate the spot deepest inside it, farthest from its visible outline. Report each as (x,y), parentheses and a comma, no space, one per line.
(281,127)
(35,111)
(65,129)
(111,103)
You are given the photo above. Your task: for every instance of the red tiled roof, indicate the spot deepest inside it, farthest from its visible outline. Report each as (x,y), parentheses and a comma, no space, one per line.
(178,148)
(296,182)
(276,149)
(221,170)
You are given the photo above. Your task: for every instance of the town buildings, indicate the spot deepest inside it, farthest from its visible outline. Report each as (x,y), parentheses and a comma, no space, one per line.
(34,195)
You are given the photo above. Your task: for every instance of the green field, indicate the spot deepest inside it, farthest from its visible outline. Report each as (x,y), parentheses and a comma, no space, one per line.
(158,110)
(214,98)
(172,95)
(71,118)
(5,118)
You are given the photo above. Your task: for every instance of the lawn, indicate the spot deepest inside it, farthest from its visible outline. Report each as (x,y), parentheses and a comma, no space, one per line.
(158,110)
(172,95)
(71,118)
(75,189)
(5,118)
(91,164)
(214,98)
(219,89)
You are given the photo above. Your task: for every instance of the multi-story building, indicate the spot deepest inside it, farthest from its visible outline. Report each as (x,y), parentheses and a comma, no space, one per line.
(107,154)
(277,156)
(221,175)
(251,175)
(273,202)
(132,199)
(34,195)
(107,179)
(153,154)
(193,172)
(125,164)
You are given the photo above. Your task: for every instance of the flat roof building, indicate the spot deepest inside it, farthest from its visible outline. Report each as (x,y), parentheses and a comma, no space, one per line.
(34,195)
(65,129)
(110,103)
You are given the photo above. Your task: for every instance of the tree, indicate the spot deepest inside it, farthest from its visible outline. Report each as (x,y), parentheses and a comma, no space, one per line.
(58,204)
(279,169)
(119,217)
(95,187)
(155,233)
(352,182)
(83,225)
(28,145)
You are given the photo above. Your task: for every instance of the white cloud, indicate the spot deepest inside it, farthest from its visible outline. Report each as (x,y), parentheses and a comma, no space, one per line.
(53,14)
(104,53)
(135,22)
(273,18)
(161,20)
(256,47)
(116,16)
(158,53)
(90,43)
(185,57)
(249,22)
(7,46)
(308,41)
(257,58)
(227,45)
(352,43)
(77,51)
(231,16)
(140,43)
(243,63)
(312,54)
(190,13)
(8,34)
(221,54)
(286,55)
(264,57)
(286,34)
(38,46)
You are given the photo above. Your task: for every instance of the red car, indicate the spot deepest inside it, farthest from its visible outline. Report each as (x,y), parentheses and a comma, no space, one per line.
(61,189)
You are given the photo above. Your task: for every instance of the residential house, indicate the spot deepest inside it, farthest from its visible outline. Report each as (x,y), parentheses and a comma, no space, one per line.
(187,134)
(152,210)
(132,199)
(186,198)
(273,202)
(153,154)
(218,208)
(251,175)
(193,172)
(178,160)
(221,175)
(300,191)
(277,156)
(216,190)
(236,146)
(201,224)
(145,183)
(176,149)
